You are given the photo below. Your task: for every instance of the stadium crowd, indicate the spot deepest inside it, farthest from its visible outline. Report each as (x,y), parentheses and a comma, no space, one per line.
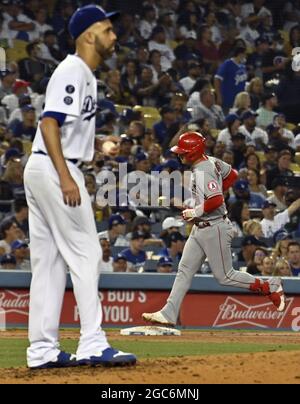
(221,67)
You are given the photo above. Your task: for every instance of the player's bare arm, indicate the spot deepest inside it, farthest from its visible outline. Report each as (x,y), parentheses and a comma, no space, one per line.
(51,135)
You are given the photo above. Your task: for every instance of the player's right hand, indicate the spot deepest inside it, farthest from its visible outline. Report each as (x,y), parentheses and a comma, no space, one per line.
(70,192)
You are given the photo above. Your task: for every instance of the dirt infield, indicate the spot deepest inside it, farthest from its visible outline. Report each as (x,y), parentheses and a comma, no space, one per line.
(266,367)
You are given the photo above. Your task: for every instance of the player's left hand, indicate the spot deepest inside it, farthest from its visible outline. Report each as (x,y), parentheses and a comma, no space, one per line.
(189,215)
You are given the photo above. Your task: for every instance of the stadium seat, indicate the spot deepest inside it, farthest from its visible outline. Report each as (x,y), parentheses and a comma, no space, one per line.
(215,132)
(121,108)
(261,155)
(17,52)
(295,167)
(151,115)
(27,145)
(297,158)
(290,126)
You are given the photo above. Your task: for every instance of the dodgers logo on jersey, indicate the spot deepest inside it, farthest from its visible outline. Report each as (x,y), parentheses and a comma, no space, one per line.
(89,108)
(212,186)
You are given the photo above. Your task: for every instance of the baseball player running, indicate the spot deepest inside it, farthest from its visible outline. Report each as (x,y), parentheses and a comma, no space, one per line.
(211,234)
(62,227)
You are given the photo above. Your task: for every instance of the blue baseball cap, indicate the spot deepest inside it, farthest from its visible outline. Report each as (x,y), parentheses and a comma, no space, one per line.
(86,16)
(267,204)
(115,220)
(248,114)
(163,261)
(119,257)
(232,118)
(241,185)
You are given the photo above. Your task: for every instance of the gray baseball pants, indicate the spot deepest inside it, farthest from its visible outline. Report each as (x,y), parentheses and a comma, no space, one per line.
(213,242)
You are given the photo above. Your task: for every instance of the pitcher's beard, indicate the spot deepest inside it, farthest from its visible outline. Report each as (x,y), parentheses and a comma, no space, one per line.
(104,53)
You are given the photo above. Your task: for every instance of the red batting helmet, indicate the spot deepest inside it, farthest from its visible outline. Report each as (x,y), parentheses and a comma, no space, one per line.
(191,145)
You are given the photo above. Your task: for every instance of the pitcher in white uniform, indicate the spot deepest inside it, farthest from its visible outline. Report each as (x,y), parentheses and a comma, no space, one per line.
(62,228)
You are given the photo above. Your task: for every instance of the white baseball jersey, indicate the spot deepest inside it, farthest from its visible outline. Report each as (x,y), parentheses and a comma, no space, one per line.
(72,90)
(207,182)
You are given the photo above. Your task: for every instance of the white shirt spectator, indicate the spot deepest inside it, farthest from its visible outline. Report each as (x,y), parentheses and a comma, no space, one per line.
(146,28)
(269,227)
(297,142)
(287,134)
(187,84)
(225,137)
(6,246)
(249,35)
(258,133)
(248,9)
(107,266)
(20,18)
(167,54)
(39,31)
(121,240)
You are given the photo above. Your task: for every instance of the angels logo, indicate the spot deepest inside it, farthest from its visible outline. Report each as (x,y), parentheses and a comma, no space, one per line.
(212,186)
(236,313)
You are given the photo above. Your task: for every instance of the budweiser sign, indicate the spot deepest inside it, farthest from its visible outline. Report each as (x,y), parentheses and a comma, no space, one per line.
(12,302)
(234,312)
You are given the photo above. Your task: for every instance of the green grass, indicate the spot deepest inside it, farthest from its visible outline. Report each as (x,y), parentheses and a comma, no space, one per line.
(13,351)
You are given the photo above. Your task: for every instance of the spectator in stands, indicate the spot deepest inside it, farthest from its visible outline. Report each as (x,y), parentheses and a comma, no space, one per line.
(266,113)
(207,47)
(286,134)
(20,217)
(158,42)
(146,91)
(174,246)
(164,265)
(129,77)
(282,268)
(293,255)
(255,267)
(148,22)
(228,157)
(293,226)
(13,174)
(155,155)
(116,232)
(255,90)
(231,79)
(8,261)
(208,109)
(233,122)
(249,246)
(254,63)
(20,250)
(170,225)
(250,33)
(142,225)
(268,266)
(282,239)
(32,68)
(19,25)
(135,255)
(40,22)
(255,185)
(161,128)
(272,221)
(238,149)
(242,193)
(253,133)
(107,260)
(252,227)
(242,103)
(119,264)
(26,128)
(8,78)
(274,60)
(271,156)
(279,187)
(127,32)
(8,234)
(187,50)
(282,169)
(194,73)
(239,213)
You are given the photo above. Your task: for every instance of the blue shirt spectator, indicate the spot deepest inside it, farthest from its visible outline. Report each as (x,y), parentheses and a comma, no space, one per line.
(231,78)
(135,255)
(242,192)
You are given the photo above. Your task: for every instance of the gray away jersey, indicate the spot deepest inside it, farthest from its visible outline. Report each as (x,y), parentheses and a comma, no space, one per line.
(207,182)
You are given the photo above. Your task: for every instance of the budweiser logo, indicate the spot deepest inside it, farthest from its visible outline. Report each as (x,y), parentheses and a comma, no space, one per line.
(234,312)
(13,302)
